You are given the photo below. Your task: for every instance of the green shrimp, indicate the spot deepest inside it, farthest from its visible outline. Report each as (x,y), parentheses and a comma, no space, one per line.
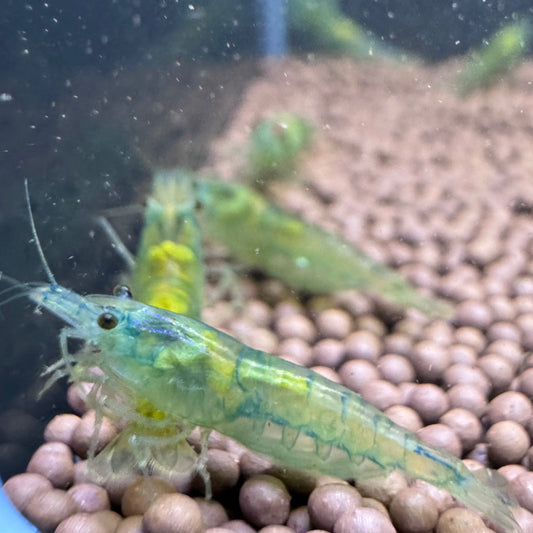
(168,270)
(199,376)
(497,57)
(196,376)
(302,255)
(275,144)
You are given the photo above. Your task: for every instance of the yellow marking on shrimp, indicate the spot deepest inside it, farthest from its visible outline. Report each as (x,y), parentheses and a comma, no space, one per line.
(146,408)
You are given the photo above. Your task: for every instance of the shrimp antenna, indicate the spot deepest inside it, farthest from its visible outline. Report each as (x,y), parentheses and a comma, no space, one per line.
(44,262)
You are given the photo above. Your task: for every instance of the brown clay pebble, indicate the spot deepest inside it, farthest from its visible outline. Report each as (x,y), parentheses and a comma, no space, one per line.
(525,325)
(327,372)
(328,352)
(363,520)
(382,489)
(498,370)
(298,326)
(438,331)
(238,526)
(461,353)
(522,490)
(429,401)
(429,360)
(355,302)
(441,498)
(60,428)
(381,394)
(458,520)
(405,416)
(173,513)
(334,323)
(502,308)
(296,350)
(89,498)
(480,453)
(213,513)
(93,523)
(474,313)
(412,511)
(355,373)
(77,395)
(223,468)
(84,433)
(510,472)
(459,374)
(471,337)
(262,339)
(299,520)
(363,345)
(468,397)
(138,497)
(54,461)
(503,331)
(371,324)
(47,509)
(397,343)
(375,504)
(510,350)
(327,503)
(508,443)
(441,436)
(524,518)
(396,368)
(276,529)
(466,426)
(259,313)
(525,383)
(22,487)
(131,524)
(264,500)
(510,406)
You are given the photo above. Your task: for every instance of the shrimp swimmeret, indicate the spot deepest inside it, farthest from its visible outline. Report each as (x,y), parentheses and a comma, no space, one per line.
(198,376)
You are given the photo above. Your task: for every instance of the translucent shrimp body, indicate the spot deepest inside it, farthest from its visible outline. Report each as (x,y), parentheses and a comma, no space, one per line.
(198,375)
(303,255)
(168,270)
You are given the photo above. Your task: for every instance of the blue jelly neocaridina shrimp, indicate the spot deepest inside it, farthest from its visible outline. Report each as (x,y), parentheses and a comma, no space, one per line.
(167,272)
(195,375)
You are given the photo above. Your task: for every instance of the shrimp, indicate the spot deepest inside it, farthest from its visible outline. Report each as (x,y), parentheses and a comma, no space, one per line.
(167,271)
(303,255)
(199,376)
(275,144)
(195,375)
(497,56)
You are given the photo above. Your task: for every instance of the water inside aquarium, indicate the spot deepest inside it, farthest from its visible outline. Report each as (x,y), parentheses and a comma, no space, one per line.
(381,154)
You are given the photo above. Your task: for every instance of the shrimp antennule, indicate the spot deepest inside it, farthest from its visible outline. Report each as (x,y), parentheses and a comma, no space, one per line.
(44,262)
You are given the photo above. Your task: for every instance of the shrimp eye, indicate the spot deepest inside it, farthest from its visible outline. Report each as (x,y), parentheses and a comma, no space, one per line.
(107,321)
(122,291)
